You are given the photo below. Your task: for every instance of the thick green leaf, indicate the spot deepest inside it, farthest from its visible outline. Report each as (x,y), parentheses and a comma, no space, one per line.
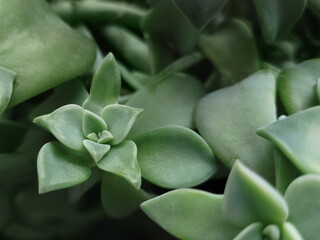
(105,86)
(120,119)
(248,198)
(7,78)
(277,17)
(286,172)
(297,137)
(105,137)
(318,90)
(65,124)
(234,63)
(289,232)
(174,28)
(130,47)
(170,101)
(119,198)
(251,232)
(228,119)
(200,12)
(96,150)
(122,13)
(297,86)
(190,214)
(122,161)
(59,168)
(271,232)
(45,53)
(302,197)
(174,157)
(12,134)
(92,123)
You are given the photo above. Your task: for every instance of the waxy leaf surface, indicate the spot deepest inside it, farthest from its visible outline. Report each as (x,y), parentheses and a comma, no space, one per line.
(65,124)
(170,101)
(40,48)
(120,119)
(303,197)
(122,161)
(228,119)
(92,123)
(105,86)
(7,78)
(190,214)
(59,168)
(297,137)
(251,232)
(174,157)
(297,86)
(248,198)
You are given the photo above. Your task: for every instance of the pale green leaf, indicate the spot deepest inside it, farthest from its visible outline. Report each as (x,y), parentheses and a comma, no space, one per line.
(297,86)
(122,161)
(65,124)
(228,119)
(251,232)
(174,157)
(120,119)
(297,137)
(170,102)
(59,168)
(96,150)
(290,232)
(191,215)
(248,198)
(42,49)
(92,123)
(302,197)
(7,78)
(105,86)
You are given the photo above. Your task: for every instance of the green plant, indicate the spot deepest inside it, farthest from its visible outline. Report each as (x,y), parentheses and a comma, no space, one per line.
(208,121)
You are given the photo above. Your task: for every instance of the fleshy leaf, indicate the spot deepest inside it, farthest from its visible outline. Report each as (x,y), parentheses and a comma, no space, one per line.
(65,124)
(93,137)
(302,197)
(170,102)
(251,232)
(249,198)
(318,90)
(120,119)
(92,123)
(174,157)
(297,137)
(105,137)
(290,232)
(96,150)
(105,86)
(122,161)
(45,53)
(275,17)
(59,168)
(228,119)
(120,198)
(130,47)
(200,12)
(174,28)
(7,78)
(297,86)
(190,214)
(233,63)
(286,172)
